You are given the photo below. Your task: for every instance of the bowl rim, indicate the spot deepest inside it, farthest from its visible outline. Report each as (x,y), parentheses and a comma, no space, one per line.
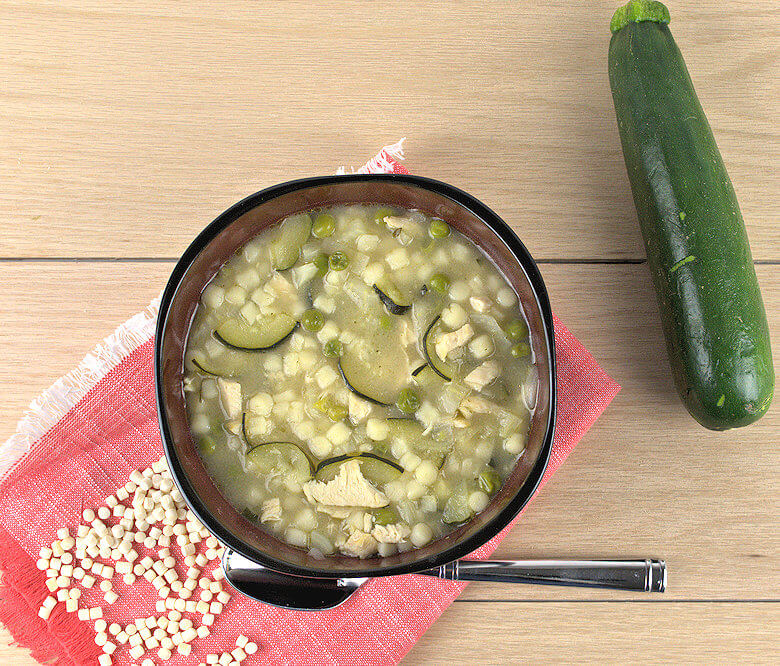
(533,275)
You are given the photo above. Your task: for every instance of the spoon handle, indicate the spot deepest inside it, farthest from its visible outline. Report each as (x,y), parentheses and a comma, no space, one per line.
(639,575)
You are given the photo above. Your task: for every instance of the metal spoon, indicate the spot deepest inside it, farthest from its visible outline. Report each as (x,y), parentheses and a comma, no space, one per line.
(303,593)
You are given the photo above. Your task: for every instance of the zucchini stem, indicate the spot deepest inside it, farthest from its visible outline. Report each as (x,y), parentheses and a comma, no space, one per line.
(636,11)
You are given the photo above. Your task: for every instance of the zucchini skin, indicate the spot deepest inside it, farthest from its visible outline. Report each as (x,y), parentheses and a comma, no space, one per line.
(697,249)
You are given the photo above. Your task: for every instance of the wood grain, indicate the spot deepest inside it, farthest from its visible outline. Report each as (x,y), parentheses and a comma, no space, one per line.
(577,633)
(601,633)
(126,128)
(646,481)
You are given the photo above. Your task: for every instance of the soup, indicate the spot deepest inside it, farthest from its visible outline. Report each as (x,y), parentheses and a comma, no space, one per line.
(359,379)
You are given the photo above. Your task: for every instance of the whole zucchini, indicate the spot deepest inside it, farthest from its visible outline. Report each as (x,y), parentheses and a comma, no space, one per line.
(697,249)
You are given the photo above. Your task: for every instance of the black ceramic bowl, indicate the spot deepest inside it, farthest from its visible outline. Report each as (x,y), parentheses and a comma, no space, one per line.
(239,224)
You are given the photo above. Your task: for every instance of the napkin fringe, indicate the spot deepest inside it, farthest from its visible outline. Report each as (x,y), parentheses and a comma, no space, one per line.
(49,407)
(18,619)
(385,161)
(21,596)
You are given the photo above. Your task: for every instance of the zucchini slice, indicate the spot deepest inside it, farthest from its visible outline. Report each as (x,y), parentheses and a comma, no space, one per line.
(407,429)
(209,367)
(392,298)
(260,336)
(360,299)
(426,446)
(426,377)
(286,248)
(417,371)
(251,439)
(457,509)
(227,364)
(444,370)
(359,381)
(377,375)
(280,458)
(377,470)
(203,367)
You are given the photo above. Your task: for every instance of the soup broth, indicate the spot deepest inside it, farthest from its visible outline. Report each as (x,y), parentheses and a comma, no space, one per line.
(359,379)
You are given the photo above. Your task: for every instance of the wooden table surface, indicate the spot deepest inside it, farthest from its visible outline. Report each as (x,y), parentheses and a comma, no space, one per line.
(126,127)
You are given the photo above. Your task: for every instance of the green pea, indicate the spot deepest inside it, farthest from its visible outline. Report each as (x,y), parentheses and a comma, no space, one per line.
(489,480)
(439,229)
(312,320)
(332,348)
(338,261)
(440,283)
(408,402)
(381,213)
(517,330)
(385,516)
(520,349)
(321,262)
(207,445)
(324,225)
(332,409)
(337,412)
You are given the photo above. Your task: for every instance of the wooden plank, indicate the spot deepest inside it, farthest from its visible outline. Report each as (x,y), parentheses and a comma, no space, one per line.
(604,633)
(601,633)
(646,481)
(57,312)
(125,129)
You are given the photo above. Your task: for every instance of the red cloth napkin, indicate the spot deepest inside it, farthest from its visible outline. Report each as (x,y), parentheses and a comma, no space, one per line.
(106,426)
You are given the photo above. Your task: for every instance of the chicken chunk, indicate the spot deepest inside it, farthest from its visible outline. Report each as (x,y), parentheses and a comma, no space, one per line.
(359,544)
(337,512)
(407,334)
(360,293)
(359,409)
(449,341)
(271,510)
(394,222)
(234,426)
(451,396)
(480,377)
(359,521)
(230,396)
(474,404)
(471,405)
(507,421)
(303,274)
(428,415)
(391,533)
(349,488)
(278,295)
(278,284)
(479,304)
(460,421)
